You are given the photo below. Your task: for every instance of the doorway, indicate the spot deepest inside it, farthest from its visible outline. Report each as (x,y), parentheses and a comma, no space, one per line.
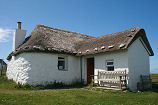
(90,69)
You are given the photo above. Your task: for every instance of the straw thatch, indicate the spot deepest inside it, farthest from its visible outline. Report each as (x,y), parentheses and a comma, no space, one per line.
(51,40)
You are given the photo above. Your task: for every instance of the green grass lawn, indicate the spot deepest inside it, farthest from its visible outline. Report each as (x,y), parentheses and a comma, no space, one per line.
(9,95)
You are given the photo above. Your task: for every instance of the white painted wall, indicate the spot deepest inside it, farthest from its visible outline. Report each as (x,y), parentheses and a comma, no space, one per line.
(138,59)
(39,68)
(120,61)
(18,38)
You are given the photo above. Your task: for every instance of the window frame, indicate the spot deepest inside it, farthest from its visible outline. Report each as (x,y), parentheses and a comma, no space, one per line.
(65,63)
(110,65)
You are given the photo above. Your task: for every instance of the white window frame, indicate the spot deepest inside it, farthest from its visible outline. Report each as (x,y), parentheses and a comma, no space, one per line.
(65,62)
(111,60)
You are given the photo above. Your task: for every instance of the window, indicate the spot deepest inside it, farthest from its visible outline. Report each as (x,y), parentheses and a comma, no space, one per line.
(61,63)
(110,65)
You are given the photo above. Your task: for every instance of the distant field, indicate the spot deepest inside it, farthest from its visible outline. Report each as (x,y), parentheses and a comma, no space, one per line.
(154,77)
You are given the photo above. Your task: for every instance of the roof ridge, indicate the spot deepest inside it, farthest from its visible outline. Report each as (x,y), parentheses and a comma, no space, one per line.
(41,25)
(138,28)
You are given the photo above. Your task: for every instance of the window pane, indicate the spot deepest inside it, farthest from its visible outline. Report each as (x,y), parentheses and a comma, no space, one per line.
(110,63)
(61,65)
(110,68)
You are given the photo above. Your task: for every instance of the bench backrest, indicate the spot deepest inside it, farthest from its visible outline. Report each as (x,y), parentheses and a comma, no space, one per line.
(112,74)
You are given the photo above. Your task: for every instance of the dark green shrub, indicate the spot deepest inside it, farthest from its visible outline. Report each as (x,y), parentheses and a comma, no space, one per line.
(51,85)
(18,85)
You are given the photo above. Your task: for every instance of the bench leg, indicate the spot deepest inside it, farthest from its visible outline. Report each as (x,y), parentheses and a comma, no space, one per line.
(120,82)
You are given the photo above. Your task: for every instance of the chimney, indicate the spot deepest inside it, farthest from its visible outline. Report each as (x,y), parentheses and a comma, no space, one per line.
(18,37)
(19,25)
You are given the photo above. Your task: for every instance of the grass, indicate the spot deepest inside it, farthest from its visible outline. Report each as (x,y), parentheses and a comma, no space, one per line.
(9,95)
(78,97)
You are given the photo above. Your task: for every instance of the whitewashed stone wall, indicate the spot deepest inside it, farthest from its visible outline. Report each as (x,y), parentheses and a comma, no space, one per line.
(120,61)
(40,68)
(138,59)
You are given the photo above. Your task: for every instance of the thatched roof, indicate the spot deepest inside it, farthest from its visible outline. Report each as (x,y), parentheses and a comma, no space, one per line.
(48,39)
(115,41)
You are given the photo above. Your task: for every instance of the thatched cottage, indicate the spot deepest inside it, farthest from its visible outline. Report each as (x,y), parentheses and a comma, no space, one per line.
(50,54)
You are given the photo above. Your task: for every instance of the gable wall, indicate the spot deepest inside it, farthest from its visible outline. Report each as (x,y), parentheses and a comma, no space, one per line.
(39,68)
(138,62)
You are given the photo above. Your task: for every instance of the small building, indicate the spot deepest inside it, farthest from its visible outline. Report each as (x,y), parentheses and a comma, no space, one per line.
(3,65)
(50,54)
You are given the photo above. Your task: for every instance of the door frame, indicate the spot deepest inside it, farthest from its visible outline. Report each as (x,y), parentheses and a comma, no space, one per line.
(89,73)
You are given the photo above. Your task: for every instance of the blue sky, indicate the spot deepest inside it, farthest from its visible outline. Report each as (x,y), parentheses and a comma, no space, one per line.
(92,17)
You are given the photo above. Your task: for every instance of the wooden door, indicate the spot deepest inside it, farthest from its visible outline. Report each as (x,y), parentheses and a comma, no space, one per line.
(90,69)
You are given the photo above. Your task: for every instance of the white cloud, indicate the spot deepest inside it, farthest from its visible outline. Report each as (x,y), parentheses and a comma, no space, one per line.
(5,34)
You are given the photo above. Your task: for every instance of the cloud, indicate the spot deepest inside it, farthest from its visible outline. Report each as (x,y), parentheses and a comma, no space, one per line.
(5,34)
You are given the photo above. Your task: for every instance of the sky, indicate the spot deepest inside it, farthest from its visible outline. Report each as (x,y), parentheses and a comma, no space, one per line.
(91,17)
